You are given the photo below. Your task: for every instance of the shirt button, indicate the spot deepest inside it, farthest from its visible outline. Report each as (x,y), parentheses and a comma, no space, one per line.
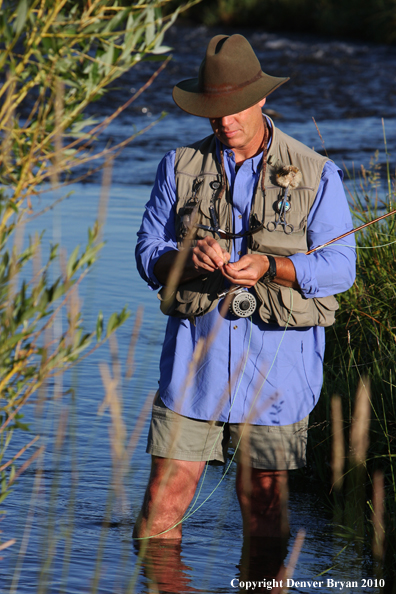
(239,253)
(239,216)
(235,327)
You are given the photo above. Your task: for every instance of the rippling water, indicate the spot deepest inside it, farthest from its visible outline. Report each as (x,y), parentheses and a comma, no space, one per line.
(347,88)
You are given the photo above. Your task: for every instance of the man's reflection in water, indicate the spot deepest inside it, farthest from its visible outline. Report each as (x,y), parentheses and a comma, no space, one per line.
(164,567)
(261,561)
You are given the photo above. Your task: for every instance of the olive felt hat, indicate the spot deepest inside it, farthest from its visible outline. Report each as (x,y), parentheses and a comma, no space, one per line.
(230,80)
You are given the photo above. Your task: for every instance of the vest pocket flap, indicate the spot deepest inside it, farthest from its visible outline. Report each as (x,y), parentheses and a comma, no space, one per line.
(287,307)
(203,206)
(194,298)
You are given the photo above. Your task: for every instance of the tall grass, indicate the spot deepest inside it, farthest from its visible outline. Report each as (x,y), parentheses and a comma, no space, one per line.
(362,344)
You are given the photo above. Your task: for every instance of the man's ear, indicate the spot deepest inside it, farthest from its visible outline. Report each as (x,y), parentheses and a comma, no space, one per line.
(262,102)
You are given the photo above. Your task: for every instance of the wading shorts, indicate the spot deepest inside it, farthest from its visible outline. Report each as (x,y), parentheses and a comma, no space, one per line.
(266,447)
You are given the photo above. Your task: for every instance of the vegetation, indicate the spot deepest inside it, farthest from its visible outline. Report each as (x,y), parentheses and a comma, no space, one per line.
(56,58)
(372,20)
(361,347)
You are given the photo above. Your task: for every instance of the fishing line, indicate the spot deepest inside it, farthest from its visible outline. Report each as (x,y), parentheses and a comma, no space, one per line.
(372,247)
(364,247)
(192,510)
(191,513)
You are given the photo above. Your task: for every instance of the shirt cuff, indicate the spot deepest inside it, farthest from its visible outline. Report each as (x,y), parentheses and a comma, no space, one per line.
(153,282)
(304,275)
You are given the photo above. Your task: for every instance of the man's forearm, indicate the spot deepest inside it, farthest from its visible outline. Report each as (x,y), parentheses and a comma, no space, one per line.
(285,273)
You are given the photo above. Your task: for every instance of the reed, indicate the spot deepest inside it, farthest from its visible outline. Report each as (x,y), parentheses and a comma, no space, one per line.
(56,58)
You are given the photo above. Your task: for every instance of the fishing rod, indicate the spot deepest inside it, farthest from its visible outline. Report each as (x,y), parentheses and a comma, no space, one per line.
(244,303)
(319,247)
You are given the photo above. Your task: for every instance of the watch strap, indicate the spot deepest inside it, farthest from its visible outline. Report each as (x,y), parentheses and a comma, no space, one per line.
(270,274)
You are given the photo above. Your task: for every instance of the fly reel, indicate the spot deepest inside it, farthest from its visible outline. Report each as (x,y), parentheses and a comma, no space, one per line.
(243,304)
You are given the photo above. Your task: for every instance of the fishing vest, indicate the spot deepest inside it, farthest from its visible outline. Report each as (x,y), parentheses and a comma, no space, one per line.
(198,180)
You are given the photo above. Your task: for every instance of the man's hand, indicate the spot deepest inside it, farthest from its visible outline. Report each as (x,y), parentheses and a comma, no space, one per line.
(207,255)
(246,271)
(250,268)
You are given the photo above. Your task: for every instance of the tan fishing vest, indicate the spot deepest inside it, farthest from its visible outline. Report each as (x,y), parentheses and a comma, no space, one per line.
(196,168)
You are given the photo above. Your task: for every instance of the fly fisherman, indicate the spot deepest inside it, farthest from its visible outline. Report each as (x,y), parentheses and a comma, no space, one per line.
(254,201)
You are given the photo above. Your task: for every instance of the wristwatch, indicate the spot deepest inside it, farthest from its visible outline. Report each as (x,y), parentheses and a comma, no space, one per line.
(271,272)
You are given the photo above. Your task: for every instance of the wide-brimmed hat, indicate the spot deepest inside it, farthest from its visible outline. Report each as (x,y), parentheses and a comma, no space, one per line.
(230,80)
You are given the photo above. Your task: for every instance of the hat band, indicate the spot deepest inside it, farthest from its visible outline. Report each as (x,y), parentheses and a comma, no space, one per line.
(226,89)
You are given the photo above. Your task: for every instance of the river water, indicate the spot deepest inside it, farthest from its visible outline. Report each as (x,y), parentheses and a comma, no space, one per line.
(71,535)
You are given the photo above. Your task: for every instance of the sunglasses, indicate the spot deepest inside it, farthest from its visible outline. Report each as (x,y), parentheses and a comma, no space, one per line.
(214,228)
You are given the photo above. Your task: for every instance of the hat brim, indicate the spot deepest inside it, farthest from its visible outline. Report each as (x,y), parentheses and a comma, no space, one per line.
(188,96)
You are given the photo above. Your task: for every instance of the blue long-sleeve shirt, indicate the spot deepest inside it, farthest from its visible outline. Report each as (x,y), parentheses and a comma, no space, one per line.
(253,371)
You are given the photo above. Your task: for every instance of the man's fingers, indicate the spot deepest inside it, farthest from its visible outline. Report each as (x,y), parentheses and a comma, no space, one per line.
(209,255)
(202,261)
(245,271)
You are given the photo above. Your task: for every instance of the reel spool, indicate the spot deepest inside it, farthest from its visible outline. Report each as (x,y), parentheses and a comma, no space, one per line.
(243,304)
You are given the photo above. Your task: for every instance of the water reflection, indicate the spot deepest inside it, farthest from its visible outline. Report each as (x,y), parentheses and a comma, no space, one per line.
(165,571)
(262,562)
(164,568)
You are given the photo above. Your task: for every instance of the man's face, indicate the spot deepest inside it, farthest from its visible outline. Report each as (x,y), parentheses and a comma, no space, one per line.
(241,131)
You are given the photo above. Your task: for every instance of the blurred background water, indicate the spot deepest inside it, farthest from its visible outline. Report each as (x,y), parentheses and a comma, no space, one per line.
(348,88)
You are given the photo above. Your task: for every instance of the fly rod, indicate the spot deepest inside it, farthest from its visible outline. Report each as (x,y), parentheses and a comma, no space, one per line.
(319,247)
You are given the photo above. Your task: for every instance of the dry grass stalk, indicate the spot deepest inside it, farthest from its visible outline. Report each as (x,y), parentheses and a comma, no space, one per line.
(7,125)
(246,472)
(378,515)
(62,429)
(105,193)
(26,464)
(133,342)
(297,546)
(6,545)
(36,492)
(338,446)
(359,440)
(21,451)
(117,429)
(138,428)
(177,269)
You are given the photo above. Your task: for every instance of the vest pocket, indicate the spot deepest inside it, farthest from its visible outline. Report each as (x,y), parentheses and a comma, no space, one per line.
(287,307)
(194,298)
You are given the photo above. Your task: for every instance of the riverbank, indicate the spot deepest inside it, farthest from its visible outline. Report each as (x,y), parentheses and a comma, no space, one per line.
(371,20)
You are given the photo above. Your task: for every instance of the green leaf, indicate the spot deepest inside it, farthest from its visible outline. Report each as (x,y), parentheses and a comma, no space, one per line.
(112,323)
(150,26)
(108,58)
(13,206)
(71,264)
(12,474)
(162,49)
(116,20)
(99,326)
(116,319)
(4,495)
(21,16)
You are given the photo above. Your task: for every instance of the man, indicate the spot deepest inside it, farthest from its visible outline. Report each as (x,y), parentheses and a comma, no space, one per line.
(254,201)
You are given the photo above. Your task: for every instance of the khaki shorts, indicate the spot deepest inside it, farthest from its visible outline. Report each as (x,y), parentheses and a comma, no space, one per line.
(272,447)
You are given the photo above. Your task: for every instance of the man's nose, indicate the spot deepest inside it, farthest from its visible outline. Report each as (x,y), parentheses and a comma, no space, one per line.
(225,121)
